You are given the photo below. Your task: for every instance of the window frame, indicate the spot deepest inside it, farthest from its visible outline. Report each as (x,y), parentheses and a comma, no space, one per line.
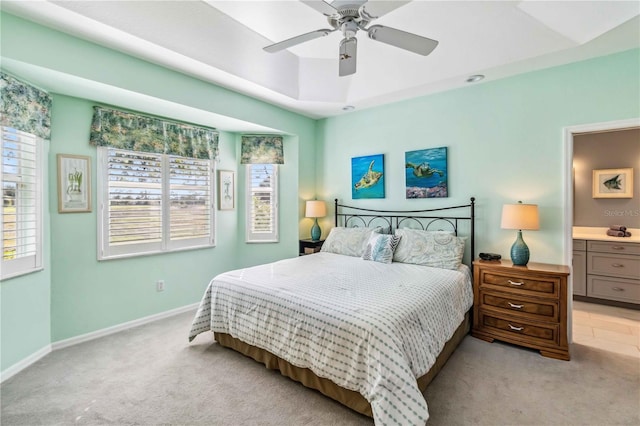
(106,251)
(33,263)
(273,236)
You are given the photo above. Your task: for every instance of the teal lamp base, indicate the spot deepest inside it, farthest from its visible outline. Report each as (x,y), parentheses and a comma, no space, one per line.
(519,251)
(315,231)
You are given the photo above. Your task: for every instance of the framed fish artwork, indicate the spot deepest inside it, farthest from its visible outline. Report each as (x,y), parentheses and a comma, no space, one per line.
(613,183)
(367,176)
(426,173)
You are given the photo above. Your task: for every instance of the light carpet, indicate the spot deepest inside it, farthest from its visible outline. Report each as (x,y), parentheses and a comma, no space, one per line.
(150,375)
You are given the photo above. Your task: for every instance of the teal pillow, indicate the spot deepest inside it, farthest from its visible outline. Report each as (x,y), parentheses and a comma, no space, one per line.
(380,248)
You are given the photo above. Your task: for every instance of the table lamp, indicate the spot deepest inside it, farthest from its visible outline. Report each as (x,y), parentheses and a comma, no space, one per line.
(315,209)
(520,216)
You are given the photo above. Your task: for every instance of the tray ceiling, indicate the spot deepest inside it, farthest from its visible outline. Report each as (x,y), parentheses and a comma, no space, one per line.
(222,41)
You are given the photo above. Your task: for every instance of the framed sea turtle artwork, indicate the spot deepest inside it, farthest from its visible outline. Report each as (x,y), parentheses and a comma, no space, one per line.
(367,176)
(426,173)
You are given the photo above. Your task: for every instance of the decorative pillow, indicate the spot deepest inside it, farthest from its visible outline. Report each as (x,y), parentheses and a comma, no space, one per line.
(380,248)
(347,241)
(439,249)
(382,229)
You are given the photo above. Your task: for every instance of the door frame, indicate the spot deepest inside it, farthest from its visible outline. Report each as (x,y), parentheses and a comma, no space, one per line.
(569,133)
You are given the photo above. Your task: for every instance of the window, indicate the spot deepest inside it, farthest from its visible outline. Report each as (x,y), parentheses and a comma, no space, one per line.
(21,225)
(153,203)
(262,203)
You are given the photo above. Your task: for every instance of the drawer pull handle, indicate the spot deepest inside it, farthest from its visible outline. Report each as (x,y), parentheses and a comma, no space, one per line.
(617,248)
(515,306)
(617,265)
(516,328)
(617,289)
(515,283)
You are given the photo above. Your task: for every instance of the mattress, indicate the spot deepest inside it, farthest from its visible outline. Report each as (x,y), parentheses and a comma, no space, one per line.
(369,327)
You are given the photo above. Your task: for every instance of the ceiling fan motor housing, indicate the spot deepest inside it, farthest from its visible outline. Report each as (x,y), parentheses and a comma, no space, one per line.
(349,28)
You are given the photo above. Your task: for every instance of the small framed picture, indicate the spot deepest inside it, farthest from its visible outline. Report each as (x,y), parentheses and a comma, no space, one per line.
(613,183)
(74,183)
(226,190)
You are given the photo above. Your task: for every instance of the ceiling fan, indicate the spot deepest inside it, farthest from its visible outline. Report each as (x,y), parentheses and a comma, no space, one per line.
(349,16)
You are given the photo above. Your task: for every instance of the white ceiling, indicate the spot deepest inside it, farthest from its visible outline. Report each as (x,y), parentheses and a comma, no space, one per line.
(222,41)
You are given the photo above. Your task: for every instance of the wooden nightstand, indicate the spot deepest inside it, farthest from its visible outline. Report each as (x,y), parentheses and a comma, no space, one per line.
(524,305)
(309,247)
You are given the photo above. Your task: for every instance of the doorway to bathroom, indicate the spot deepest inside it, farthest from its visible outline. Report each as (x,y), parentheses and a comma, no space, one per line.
(605,289)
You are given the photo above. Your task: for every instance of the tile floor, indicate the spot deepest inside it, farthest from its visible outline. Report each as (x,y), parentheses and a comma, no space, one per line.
(607,327)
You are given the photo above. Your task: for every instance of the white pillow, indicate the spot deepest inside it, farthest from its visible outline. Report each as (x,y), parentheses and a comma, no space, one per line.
(438,249)
(380,248)
(347,241)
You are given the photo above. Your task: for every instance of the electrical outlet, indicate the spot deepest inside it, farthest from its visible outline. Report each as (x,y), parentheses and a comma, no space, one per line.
(160,285)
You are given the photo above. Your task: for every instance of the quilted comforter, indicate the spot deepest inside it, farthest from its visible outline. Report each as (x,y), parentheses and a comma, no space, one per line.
(366,326)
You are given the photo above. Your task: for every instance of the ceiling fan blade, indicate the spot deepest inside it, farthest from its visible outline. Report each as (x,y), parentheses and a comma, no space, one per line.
(321,6)
(402,39)
(276,47)
(347,58)
(376,9)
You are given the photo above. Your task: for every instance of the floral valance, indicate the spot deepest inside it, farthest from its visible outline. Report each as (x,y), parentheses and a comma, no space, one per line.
(135,132)
(24,107)
(262,149)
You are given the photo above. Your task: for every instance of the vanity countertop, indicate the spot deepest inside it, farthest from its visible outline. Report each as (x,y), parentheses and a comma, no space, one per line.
(600,234)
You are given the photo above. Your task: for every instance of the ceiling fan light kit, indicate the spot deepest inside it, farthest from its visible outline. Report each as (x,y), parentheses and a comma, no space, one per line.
(349,16)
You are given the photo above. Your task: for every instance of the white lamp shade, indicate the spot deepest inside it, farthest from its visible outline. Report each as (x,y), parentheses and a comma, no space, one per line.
(520,216)
(315,208)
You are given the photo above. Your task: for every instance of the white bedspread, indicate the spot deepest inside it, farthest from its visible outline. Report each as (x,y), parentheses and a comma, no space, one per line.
(367,326)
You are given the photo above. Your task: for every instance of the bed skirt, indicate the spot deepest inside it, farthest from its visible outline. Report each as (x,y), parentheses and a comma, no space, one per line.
(351,399)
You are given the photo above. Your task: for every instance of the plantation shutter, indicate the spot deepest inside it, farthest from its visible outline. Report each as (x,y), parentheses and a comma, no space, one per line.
(154,202)
(25,122)
(190,198)
(262,217)
(21,202)
(134,199)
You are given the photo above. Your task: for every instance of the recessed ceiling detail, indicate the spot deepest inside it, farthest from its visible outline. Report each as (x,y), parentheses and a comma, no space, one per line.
(222,42)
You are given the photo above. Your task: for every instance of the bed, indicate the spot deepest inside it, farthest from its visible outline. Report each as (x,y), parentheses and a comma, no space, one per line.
(366,329)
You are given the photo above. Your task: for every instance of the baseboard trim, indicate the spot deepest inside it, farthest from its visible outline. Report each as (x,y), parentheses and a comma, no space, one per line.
(41,353)
(24,363)
(61,344)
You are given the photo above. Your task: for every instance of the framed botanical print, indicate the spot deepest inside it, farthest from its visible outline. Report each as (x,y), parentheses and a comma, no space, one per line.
(226,190)
(74,183)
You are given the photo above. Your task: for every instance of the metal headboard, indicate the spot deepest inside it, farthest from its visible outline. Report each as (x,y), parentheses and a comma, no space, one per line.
(350,216)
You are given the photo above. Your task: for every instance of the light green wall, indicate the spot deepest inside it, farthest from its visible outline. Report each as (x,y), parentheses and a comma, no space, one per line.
(504,138)
(79,293)
(87,295)
(25,302)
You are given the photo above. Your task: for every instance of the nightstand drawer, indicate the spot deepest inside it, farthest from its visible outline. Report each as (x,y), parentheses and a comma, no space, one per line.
(617,265)
(520,306)
(533,286)
(520,330)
